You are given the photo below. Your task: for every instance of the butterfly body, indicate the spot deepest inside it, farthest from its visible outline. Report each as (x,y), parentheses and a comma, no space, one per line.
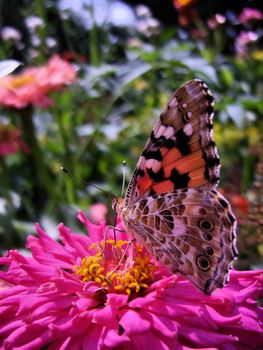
(172,205)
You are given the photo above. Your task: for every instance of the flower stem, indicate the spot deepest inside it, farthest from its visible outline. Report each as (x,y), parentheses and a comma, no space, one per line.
(94,42)
(36,165)
(68,159)
(4,177)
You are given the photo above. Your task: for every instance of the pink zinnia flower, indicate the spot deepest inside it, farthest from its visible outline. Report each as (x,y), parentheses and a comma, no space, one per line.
(98,212)
(11,141)
(249,14)
(33,84)
(92,292)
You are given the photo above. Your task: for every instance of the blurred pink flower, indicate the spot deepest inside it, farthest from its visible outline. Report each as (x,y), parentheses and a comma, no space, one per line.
(11,141)
(216,21)
(98,212)
(33,84)
(242,41)
(80,294)
(249,14)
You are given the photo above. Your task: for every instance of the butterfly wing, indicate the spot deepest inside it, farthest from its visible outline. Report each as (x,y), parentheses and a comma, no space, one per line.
(180,152)
(171,204)
(191,231)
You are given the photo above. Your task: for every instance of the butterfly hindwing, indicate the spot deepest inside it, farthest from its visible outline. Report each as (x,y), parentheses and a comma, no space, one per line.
(189,231)
(180,152)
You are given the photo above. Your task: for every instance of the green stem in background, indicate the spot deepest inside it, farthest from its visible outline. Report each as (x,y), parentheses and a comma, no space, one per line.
(66,29)
(94,40)
(248,164)
(35,158)
(4,175)
(153,89)
(70,183)
(42,30)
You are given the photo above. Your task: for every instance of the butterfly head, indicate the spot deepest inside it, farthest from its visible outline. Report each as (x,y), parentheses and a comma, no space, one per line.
(117,204)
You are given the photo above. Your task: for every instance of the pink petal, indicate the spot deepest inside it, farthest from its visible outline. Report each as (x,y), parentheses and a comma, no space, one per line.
(132,323)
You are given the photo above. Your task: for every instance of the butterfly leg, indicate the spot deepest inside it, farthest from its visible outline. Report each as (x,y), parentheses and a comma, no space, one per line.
(114,228)
(122,257)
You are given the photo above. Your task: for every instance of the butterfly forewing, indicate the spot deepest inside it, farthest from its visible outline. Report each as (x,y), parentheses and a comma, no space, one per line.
(180,152)
(171,204)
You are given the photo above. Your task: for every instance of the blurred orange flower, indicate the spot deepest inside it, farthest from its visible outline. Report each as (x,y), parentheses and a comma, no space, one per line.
(33,84)
(182,3)
(239,203)
(11,141)
(187,13)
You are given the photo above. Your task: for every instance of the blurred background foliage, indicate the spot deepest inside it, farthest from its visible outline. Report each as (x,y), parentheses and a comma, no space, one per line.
(128,57)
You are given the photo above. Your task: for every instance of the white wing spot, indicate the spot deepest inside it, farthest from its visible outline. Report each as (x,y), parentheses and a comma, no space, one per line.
(173,102)
(152,164)
(168,132)
(160,131)
(188,129)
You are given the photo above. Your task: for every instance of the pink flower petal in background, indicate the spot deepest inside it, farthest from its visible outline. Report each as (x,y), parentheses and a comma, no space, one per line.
(250,14)
(11,141)
(32,85)
(98,212)
(59,298)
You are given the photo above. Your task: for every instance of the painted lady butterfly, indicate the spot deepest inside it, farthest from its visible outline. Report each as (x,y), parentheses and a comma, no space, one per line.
(172,205)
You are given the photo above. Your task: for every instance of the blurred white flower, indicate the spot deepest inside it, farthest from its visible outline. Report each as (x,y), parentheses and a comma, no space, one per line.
(216,21)
(3,204)
(250,116)
(143,11)
(10,33)
(134,43)
(64,14)
(35,40)
(33,22)
(33,53)
(149,26)
(51,42)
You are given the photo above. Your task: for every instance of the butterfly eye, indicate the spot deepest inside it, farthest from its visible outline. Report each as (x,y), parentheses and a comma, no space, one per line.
(206,224)
(203,263)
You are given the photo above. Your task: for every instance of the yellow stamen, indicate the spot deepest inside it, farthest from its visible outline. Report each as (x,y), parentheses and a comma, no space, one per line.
(132,275)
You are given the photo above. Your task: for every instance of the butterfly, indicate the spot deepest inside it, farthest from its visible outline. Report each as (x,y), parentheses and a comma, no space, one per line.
(172,205)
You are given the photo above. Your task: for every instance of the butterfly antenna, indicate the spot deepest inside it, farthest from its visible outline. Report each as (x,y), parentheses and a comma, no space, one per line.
(86,183)
(123,177)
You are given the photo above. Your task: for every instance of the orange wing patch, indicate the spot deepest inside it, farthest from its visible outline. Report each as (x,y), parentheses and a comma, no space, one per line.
(180,152)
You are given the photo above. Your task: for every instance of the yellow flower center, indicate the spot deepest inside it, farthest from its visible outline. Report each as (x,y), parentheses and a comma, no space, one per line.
(115,270)
(19,81)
